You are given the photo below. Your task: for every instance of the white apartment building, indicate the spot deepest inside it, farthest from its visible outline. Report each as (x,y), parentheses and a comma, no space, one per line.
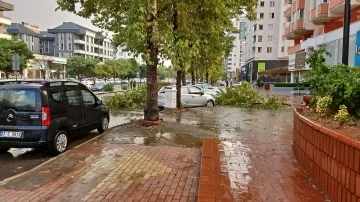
(5,21)
(73,39)
(122,53)
(236,58)
(266,46)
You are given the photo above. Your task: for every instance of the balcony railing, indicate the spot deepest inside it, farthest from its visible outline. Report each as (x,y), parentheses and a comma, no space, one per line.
(294,49)
(335,3)
(300,4)
(298,24)
(288,12)
(320,13)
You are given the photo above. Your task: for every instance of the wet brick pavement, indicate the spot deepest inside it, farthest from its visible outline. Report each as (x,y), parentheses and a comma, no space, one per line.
(253,171)
(108,172)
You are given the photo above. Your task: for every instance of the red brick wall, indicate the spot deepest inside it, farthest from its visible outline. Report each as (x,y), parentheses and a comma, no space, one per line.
(331,159)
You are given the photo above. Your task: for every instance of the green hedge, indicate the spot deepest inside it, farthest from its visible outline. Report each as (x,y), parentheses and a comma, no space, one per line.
(108,87)
(291,85)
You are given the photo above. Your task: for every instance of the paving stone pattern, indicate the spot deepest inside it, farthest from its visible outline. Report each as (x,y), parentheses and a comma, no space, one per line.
(113,173)
(245,171)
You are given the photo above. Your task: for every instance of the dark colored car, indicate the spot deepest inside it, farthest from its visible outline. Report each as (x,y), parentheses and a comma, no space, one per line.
(48,114)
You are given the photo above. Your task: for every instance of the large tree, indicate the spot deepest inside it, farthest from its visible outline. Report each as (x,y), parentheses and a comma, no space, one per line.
(145,27)
(8,47)
(81,66)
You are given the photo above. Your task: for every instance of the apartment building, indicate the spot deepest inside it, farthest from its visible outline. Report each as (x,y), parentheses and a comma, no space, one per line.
(122,53)
(321,25)
(236,58)
(265,45)
(5,21)
(47,44)
(73,39)
(30,34)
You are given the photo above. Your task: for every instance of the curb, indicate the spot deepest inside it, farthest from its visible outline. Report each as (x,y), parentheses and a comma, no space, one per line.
(5,181)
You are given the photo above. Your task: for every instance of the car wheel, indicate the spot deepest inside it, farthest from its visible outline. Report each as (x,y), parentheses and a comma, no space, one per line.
(104,125)
(4,149)
(60,142)
(210,103)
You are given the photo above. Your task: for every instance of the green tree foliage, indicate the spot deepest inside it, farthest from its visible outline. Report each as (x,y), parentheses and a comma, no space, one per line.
(146,27)
(166,72)
(10,47)
(81,66)
(340,82)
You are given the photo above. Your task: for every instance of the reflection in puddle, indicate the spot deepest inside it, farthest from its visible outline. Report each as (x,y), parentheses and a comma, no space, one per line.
(236,163)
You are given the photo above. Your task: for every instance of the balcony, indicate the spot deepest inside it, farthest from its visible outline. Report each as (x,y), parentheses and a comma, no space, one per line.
(294,49)
(79,51)
(320,14)
(336,7)
(6,6)
(79,41)
(296,29)
(5,20)
(300,4)
(5,36)
(287,12)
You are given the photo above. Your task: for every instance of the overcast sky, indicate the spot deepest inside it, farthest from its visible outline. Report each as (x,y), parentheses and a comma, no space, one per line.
(42,13)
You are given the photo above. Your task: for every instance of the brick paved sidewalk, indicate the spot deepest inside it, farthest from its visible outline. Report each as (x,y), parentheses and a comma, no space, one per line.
(109,172)
(244,171)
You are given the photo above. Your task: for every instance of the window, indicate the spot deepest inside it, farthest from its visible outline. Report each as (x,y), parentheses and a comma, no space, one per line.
(272,3)
(87,48)
(259,38)
(260,27)
(41,51)
(62,46)
(56,97)
(259,49)
(88,98)
(41,42)
(282,49)
(271,15)
(301,14)
(23,100)
(32,48)
(70,35)
(46,50)
(62,35)
(92,49)
(69,46)
(270,38)
(261,15)
(194,90)
(26,37)
(73,98)
(32,38)
(269,50)
(271,26)
(262,4)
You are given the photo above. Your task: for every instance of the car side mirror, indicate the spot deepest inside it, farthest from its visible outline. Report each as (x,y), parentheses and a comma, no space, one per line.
(99,102)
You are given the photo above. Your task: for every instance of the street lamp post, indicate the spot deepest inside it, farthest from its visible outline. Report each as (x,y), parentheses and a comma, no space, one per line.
(346,33)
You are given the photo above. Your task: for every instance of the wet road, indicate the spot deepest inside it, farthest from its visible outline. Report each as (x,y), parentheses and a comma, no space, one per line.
(20,160)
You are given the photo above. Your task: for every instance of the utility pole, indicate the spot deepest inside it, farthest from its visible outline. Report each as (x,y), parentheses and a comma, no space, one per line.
(346,33)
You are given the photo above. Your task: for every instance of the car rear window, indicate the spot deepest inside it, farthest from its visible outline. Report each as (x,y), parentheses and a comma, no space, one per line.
(19,100)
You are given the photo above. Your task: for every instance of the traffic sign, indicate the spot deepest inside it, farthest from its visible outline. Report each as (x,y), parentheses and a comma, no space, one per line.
(16,62)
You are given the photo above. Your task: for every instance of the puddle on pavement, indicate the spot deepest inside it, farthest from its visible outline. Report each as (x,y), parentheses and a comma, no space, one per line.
(183,140)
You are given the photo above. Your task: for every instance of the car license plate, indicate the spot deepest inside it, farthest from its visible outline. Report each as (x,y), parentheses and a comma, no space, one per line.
(11,134)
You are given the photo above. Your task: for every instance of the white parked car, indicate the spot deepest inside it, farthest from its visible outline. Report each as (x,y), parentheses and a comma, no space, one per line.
(209,89)
(191,96)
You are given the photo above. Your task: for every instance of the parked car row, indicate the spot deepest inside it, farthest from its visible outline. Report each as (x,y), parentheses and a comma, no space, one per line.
(48,113)
(191,96)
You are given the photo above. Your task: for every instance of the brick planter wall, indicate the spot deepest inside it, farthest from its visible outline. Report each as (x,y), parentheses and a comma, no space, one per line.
(331,159)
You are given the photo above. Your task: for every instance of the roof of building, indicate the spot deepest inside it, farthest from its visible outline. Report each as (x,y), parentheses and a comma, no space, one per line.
(18,28)
(71,26)
(47,35)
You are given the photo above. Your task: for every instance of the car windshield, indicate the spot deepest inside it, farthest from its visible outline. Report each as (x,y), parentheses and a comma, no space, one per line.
(19,100)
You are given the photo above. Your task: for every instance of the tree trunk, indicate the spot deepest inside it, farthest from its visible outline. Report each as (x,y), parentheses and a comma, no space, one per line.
(183,78)
(207,77)
(178,72)
(6,74)
(151,112)
(193,77)
(178,88)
